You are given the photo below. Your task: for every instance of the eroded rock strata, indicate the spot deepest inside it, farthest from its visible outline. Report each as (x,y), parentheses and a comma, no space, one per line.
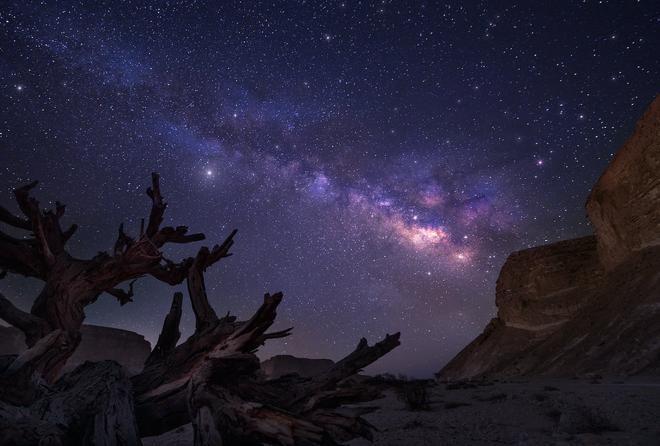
(587,305)
(624,205)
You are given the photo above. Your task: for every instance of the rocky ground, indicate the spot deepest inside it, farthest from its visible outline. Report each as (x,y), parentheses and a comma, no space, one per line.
(535,412)
(541,412)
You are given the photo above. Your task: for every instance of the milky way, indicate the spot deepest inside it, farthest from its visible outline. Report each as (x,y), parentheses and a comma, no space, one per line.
(380,160)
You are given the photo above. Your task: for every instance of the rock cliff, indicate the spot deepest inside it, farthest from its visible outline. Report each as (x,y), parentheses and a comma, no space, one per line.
(129,349)
(624,205)
(541,288)
(588,305)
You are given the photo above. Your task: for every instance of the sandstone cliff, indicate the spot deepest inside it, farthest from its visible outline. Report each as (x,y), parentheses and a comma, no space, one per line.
(129,349)
(624,205)
(541,288)
(588,305)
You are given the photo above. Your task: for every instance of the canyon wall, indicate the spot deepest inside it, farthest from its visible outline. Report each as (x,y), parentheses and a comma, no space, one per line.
(587,305)
(542,287)
(624,205)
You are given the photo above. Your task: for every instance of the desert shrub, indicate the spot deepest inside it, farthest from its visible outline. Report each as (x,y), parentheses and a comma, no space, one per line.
(415,394)
(387,379)
(584,420)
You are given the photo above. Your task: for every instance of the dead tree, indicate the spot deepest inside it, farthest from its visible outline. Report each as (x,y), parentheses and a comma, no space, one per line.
(70,284)
(210,379)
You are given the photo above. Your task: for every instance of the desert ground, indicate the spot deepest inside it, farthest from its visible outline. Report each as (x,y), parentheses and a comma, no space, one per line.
(517,412)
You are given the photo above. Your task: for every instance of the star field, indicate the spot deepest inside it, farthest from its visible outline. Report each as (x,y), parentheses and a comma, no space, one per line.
(380,159)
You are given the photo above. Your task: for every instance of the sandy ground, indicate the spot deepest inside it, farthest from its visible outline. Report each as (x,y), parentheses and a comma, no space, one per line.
(547,412)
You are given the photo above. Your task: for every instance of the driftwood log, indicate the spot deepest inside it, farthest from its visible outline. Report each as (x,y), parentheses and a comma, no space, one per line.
(212,379)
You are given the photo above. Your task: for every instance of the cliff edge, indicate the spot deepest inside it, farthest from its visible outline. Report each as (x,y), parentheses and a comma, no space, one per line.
(587,305)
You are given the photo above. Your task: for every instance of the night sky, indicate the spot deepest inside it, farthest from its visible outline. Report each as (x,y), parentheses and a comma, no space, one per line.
(380,159)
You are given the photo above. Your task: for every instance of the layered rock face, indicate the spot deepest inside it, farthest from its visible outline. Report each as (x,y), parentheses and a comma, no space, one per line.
(624,205)
(588,305)
(129,349)
(286,364)
(542,287)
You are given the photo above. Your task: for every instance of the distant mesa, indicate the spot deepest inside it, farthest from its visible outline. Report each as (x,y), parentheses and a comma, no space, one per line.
(130,350)
(281,365)
(98,343)
(587,305)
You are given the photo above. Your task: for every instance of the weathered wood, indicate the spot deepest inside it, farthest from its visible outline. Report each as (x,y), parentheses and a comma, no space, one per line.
(13,220)
(220,415)
(71,284)
(20,426)
(205,316)
(229,402)
(32,326)
(352,394)
(123,297)
(90,406)
(21,256)
(161,411)
(20,381)
(250,335)
(361,357)
(170,333)
(214,372)
(162,385)
(158,206)
(226,336)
